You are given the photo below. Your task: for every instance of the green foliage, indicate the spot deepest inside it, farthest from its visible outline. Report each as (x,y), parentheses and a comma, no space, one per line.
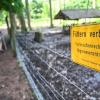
(17,6)
(11,5)
(80,4)
(3,14)
(46,11)
(37,8)
(98,4)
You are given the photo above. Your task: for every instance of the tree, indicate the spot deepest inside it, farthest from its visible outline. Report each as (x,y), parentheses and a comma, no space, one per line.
(94,4)
(22,19)
(12,7)
(22,22)
(13,31)
(28,14)
(51,19)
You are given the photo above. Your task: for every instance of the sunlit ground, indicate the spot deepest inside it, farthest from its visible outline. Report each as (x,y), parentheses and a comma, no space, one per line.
(45,22)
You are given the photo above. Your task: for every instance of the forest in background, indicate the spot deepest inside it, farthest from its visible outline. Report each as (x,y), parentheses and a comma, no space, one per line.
(40,12)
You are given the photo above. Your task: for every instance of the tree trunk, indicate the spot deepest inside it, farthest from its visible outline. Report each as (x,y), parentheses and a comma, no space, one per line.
(51,19)
(13,32)
(28,14)
(94,4)
(22,22)
(7,22)
(8,26)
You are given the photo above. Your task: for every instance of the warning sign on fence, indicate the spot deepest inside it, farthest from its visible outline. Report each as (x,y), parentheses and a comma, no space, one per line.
(85,45)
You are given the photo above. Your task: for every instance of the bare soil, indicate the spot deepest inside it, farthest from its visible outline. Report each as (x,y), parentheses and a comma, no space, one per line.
(13,83)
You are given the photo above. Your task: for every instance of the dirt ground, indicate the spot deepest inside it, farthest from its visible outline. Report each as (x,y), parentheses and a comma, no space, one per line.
(13,84)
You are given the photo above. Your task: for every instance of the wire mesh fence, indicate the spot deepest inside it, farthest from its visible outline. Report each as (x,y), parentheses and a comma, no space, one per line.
(57,77)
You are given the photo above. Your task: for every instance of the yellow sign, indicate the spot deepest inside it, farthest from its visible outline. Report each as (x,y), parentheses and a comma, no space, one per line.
(85,45)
